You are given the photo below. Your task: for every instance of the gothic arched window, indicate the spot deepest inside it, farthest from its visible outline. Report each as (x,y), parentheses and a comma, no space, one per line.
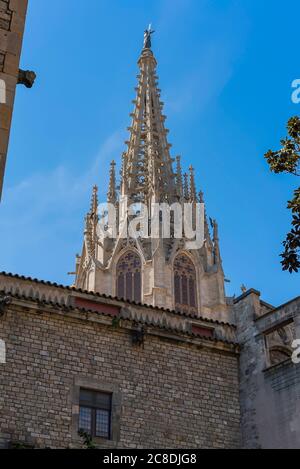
(185,281)
(129,277)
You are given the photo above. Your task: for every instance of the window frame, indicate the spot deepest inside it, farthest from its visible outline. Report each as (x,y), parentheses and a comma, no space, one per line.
(93,407)
(94,384)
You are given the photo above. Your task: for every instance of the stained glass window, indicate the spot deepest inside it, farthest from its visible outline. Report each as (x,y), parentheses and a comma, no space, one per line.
(129,280)
(185,281)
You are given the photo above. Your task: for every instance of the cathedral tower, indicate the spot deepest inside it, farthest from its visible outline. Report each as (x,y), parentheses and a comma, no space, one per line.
(158,271)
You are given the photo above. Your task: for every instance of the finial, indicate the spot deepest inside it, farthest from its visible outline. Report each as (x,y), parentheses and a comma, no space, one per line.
(147,37)
(94,201)
(193,194)
(201,197)
(243,288)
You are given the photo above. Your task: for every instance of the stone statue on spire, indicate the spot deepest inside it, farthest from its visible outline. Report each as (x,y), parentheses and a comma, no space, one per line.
(147,37)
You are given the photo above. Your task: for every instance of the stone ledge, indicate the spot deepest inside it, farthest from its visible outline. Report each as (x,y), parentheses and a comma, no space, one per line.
(19,306)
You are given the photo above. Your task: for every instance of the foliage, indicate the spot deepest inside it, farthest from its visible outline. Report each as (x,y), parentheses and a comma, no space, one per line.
(87,440)
(116,322)
(287,160)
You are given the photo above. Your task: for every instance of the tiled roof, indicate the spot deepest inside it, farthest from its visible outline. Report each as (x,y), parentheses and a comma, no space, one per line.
(100,295)
(144,322)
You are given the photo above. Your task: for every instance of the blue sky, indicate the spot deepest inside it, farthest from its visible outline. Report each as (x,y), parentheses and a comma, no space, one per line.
(225,69)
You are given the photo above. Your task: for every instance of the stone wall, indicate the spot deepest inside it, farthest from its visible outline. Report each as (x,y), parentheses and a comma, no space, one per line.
(270,391)
(12,22)
(175,391)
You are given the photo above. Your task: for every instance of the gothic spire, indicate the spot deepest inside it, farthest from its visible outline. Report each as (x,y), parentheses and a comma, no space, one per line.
(148,174)
(148,164)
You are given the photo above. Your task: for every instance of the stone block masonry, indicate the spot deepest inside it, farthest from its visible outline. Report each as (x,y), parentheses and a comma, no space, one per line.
(174,391)
(269,380)
(5,15)
(12,23)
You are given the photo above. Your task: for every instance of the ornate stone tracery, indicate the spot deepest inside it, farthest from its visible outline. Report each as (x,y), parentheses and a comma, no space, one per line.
(185,284)
(278,344)
(148,175)
(129,277)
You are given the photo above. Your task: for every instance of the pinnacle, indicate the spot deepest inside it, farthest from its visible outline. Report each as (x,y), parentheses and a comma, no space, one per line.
(193,195)
(112,192)
(147,171)
(94,202)
(186,186)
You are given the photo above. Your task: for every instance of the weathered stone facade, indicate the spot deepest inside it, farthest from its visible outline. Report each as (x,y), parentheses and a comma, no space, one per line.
(177,390)
(269,380)
(190,382)
(12,23)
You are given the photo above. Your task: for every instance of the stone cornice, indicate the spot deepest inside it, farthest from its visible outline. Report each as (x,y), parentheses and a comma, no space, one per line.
(57,293)
(50,298)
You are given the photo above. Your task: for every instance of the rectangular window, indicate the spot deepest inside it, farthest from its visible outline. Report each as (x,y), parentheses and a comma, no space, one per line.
(95,413)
